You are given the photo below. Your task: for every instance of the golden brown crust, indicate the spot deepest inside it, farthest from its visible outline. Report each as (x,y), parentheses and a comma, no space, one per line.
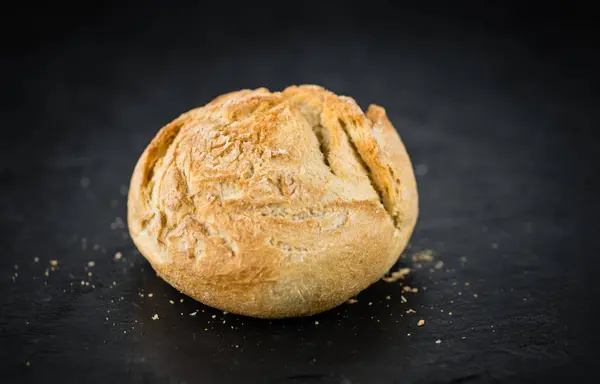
(274,204)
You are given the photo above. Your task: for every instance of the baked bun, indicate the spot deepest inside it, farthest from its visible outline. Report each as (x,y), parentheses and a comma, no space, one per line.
(274,204)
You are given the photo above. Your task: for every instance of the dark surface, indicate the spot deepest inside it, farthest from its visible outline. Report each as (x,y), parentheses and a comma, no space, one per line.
(497,105)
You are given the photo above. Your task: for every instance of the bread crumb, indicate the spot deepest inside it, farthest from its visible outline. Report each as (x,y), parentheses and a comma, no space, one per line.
(425,255)
(438,341)
(155,317)
(316,323)
(91,264)
(439,265)
(54,263)
(397,275)
(449,313)
(467,283)
(150,294)
(118,256)
(408,334)
(388,297)
(403,299)
(36,259)
(181,300)
(171,302)
(90,274)
(370,303)
(194,313)
(420,323)
(27,364)
(352,301)
(406,288)
(46,272)
(411,311)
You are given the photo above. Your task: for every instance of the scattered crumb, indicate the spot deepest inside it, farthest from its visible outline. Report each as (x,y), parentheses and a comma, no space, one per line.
(420,323)
(194,313)
(54,263)
(90,274)
(181,300)
(27,364)
(463,259)
(370,303)
(408,334)
(467,283)
(82,282)
(438,341)
(403,299)
(155,317)
(36,259)
(352,301)
(171,302)
(411,311)
(475,295)
(439,264)
(118,256)
(388,297)
(150,294)
(397,275)
(449,313)
(46,272)
(91,264)
(316,323)
(423,256)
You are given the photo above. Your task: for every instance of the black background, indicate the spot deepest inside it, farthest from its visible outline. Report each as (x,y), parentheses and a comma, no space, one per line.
(496,104)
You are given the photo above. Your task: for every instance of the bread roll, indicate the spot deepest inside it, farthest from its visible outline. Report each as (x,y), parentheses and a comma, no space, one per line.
(274,204)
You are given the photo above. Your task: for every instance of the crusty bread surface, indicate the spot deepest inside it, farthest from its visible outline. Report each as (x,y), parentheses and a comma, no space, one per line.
(274,204)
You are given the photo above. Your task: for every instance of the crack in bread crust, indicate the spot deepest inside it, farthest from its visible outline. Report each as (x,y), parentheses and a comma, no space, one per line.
(274,204)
